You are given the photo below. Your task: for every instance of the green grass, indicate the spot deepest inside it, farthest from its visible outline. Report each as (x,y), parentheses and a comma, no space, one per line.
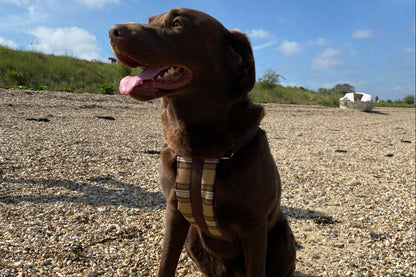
(60,73)
(396,104)
(294,95)
(37,71)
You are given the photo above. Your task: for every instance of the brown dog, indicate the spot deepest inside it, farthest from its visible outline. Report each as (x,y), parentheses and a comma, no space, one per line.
(217,173)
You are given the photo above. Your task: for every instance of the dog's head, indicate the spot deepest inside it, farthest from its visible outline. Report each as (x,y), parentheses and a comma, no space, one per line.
(181,52)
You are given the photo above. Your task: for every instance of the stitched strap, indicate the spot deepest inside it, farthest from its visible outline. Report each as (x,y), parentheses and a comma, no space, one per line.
(207,195)
(183,194)
(183,188)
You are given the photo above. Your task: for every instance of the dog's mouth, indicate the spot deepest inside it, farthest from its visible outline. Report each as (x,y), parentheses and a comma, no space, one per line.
(149,83)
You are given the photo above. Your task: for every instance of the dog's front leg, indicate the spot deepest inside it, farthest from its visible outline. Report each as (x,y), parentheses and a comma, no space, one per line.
(176,229)
(254,246)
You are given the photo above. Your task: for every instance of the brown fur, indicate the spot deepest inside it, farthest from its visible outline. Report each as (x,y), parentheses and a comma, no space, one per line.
(203,119)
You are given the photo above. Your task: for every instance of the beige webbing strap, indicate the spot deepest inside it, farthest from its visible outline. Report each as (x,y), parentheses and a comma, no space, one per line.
(207,195)
(183,192)
(183,188)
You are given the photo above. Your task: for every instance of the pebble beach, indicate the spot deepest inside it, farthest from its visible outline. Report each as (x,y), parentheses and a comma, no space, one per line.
(79,193)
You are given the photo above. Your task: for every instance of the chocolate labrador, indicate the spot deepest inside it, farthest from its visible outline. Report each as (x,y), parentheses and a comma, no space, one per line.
(217,173)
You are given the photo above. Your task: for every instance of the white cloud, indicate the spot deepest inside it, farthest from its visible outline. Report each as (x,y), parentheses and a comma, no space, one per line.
(329,58)
(289,84)
(289,47)
(264,45)
(16,2)
(318,42)
(261,38)
(8,43)
(72,41)
(32,16)
(258,34)
(409,50)
(97,3)
(363,34)
(351,49)
(356,84)
(328,85)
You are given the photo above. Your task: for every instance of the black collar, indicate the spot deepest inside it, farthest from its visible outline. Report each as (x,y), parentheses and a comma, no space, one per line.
(240,143)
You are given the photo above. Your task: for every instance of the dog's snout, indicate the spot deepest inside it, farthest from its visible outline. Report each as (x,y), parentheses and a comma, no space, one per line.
(118,31)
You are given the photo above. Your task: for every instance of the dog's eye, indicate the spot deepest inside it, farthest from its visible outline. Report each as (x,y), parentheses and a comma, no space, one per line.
(177,23)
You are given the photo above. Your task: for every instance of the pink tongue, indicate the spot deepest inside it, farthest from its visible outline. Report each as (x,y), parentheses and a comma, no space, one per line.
(128,83)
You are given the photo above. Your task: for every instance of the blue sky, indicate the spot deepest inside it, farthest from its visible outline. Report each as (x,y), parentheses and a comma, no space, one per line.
(369,44)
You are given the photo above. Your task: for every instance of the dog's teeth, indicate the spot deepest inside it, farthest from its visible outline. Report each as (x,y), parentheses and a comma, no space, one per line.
(171,70)
(168,73)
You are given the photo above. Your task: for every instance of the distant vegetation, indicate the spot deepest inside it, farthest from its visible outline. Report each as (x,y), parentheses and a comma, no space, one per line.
(269,90)
(294,95)
(407,102)
(32,70)
(36,71)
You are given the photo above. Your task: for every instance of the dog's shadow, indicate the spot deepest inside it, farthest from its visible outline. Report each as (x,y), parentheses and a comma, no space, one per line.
(94,193)
(319,218)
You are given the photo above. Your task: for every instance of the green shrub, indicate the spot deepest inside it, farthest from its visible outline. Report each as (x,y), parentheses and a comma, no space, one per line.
(18,87)
(107,88)
(124,70)
(65,89)
(410,99)
(270,79)
(16,77)
(40,87)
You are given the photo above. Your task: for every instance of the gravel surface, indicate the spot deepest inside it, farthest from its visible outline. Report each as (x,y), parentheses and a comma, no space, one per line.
(79,191)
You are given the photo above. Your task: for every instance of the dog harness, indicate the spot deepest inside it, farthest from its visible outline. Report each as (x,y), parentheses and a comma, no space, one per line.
(183,192)
(185,179)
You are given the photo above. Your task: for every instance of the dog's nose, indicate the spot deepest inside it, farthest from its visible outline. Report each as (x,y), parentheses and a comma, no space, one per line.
(118,30)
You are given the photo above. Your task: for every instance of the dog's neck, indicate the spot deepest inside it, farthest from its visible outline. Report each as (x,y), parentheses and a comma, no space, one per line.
(199,130)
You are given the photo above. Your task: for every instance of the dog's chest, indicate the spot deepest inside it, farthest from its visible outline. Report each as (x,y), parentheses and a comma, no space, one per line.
(195,192)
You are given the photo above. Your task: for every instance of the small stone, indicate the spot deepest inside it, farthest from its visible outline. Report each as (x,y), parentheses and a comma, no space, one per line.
(48,262)
(339,245)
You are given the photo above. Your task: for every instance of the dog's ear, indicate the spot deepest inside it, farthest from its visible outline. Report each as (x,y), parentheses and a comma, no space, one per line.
(247,73)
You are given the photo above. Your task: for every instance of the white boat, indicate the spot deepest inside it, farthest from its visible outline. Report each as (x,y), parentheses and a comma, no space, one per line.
(357,100)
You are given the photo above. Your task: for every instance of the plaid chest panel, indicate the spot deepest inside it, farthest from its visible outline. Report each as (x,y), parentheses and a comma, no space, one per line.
(183,192)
